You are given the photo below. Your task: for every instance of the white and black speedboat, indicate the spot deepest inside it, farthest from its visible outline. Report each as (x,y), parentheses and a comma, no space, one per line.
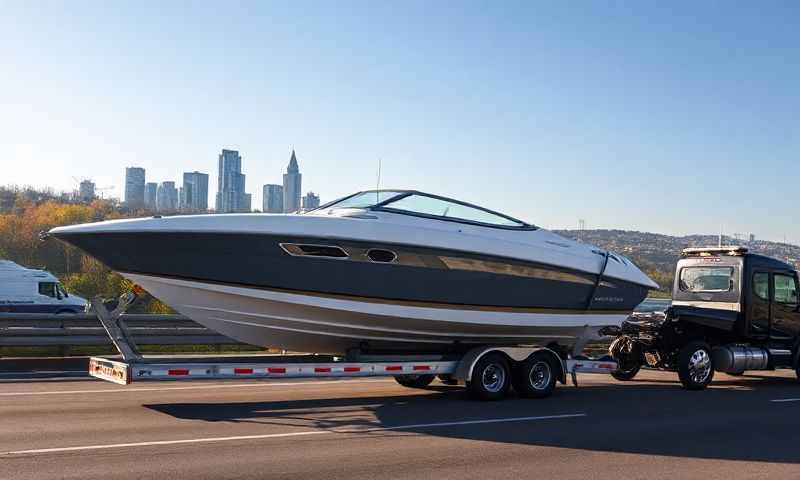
(377,271)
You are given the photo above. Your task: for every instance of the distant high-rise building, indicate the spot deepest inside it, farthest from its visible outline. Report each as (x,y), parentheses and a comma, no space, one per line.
(86,191)
(194,192)
(166,197)
(231,196)
(273,199)
(310,201)
(752,238)
(134,187)
(291,186)
(150,193)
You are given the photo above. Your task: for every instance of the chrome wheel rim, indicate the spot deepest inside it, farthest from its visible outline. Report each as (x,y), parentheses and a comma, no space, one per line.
(493,378)
(540,375)
(699,366)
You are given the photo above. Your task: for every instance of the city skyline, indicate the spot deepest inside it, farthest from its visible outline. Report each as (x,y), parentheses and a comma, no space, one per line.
(192,194)
(651,117)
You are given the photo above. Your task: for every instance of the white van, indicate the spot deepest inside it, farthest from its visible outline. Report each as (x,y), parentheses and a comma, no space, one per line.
(24,290)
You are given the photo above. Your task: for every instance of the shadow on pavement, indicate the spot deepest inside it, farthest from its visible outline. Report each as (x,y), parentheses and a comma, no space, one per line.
(735,420)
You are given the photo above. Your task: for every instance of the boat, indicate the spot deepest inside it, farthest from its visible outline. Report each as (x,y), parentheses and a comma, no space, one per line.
(376,271)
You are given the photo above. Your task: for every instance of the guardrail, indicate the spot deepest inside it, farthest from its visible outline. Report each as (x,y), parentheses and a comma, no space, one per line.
(45,330)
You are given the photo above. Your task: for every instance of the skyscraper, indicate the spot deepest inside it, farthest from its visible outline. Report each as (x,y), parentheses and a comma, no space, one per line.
(150,192)
(166,197)
(231,196)
(194,193)
(291,186)
(134,187)
(273,199)
(86,191)
(310,201)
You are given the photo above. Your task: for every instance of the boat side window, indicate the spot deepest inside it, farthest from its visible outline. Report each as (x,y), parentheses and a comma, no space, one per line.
(761,285)
(48,289)
(438,207)
(785,289)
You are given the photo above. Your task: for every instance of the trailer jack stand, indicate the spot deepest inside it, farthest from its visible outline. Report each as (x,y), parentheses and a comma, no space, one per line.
(115,325)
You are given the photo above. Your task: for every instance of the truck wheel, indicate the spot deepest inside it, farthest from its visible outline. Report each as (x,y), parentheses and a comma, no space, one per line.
(626,374)
(414,381)
(535,377)
(491,377)
(695,365)
(628,355)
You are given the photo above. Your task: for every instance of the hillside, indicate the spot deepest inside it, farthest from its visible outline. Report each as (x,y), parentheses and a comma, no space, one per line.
(657,254)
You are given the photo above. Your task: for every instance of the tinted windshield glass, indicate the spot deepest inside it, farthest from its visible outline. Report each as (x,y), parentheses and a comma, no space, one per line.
(364,199)
(438,207)
(706,279)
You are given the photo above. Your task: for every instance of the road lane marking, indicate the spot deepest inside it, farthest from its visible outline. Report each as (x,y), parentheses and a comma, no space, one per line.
(123,389)
(785,400)
(292,434)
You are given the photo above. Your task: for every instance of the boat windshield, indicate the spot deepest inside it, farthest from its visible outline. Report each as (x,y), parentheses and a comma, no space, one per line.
(432,206)
(364,199)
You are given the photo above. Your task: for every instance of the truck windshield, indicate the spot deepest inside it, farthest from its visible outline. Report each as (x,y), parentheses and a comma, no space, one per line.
(706,279)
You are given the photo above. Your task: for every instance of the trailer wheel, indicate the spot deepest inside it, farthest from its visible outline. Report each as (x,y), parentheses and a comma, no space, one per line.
(491,377)
(695,365)
(536,376)
(414,381)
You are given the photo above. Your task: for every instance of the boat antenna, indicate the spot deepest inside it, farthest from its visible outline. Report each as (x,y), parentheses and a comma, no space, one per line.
(378,183)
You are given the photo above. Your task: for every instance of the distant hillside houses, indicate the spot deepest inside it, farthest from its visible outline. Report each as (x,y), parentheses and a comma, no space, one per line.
(662,251)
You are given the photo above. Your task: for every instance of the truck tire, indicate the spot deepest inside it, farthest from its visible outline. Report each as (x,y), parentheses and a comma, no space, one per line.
(491,377)
(695,365)
(626,374)
(414,381)
(535,377)
(628,355)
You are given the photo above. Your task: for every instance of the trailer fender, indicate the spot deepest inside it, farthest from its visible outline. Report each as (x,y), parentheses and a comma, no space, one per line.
(517,354)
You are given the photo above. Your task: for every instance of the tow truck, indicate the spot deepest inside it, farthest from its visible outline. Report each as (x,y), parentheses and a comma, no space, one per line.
(732,311)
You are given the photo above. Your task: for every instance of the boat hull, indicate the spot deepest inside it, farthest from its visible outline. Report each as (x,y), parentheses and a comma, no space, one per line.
(417,274)
(311,322)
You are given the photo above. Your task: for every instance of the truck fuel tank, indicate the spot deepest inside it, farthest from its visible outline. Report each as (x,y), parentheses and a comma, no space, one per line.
(737,359)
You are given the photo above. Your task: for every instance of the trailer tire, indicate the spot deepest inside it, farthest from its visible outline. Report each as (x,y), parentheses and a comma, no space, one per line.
(536,377)
(695,365)
(414,381)
(491,377)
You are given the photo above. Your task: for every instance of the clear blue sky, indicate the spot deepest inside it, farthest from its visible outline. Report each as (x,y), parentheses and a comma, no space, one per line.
(673,117)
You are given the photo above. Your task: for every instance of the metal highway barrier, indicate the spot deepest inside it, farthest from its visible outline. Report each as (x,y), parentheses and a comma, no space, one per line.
(44,330)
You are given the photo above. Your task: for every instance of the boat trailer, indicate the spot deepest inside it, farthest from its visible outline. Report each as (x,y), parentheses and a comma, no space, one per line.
(409,370)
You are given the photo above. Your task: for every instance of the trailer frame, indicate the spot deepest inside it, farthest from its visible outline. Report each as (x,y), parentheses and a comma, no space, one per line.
(133,367)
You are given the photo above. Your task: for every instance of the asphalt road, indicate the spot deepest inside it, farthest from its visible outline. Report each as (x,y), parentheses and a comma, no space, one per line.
(373,428)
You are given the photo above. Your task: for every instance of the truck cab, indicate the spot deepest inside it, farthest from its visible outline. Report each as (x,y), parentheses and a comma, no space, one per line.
(732,311)
(25,290)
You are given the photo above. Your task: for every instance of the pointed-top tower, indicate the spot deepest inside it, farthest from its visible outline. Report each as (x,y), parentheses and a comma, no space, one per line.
(293,168)
(292,186)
